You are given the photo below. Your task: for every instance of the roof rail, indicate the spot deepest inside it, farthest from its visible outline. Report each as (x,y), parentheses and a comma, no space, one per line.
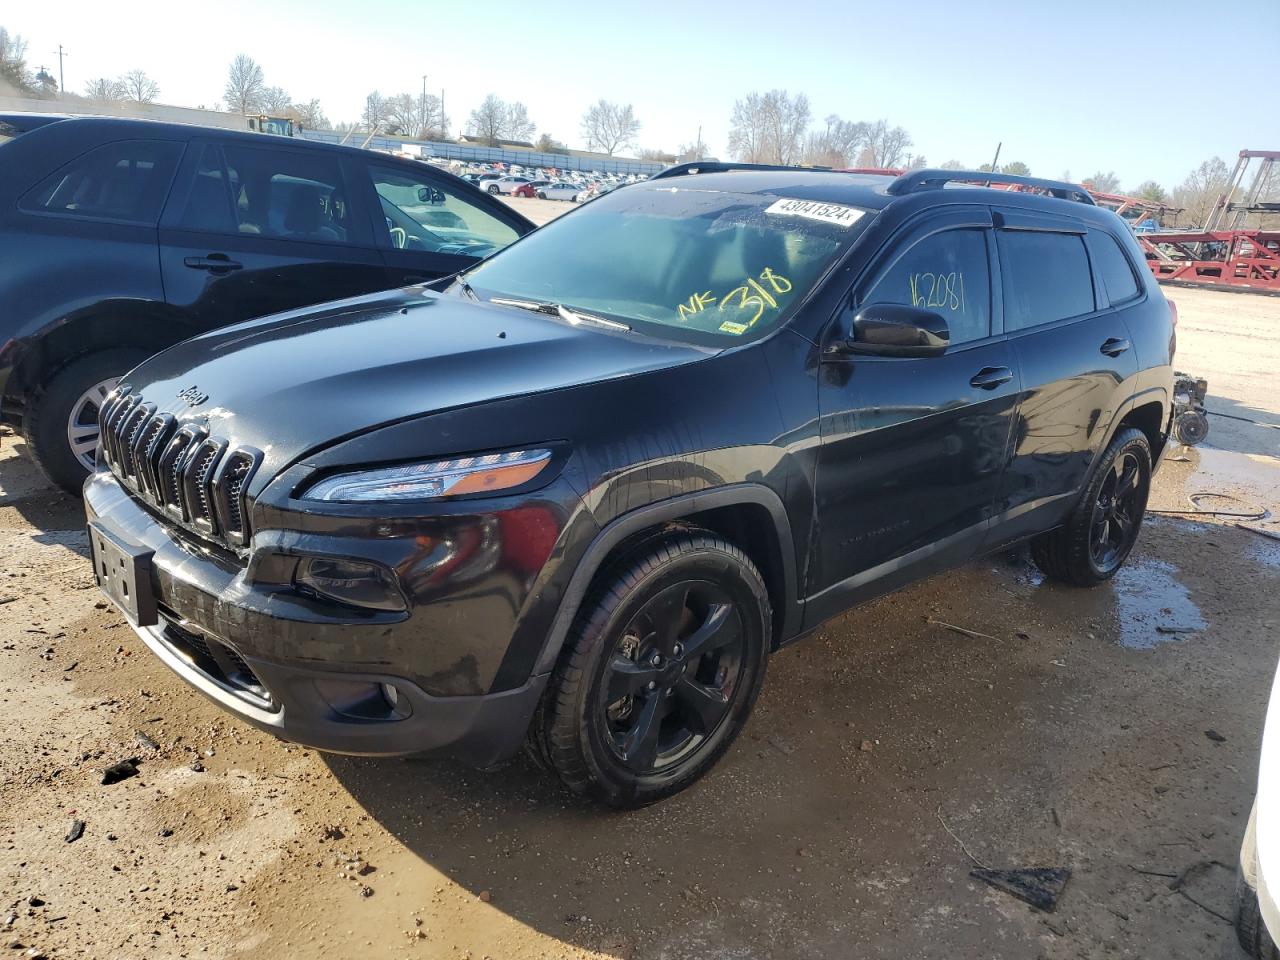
(915,180)
(721,166)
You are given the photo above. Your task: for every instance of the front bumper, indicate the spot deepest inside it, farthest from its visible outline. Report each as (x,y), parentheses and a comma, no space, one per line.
(311,672)
(1260,851)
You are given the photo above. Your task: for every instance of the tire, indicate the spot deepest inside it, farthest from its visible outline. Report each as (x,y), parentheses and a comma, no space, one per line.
(541,195)
(494,191)
(689,587)
(1251,931)
(1072,553)
(47,425)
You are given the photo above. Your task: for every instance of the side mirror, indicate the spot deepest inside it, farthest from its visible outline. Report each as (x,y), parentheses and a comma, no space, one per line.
(431,195)
(896,330)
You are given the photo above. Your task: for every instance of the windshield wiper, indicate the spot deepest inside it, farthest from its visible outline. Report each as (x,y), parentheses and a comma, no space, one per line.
(567,314)
(461,281)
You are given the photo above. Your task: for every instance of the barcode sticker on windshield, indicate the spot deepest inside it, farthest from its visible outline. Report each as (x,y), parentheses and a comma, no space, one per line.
(841,216)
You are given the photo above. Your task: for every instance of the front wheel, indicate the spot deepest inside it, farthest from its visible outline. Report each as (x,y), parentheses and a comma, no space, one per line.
(1103,527)
(62,425)
(661,671)
(494,191)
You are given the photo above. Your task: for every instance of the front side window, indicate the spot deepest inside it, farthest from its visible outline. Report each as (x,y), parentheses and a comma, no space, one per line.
(947,273)
(1045,276)
(267,193)
(421,214)
(126,180)
(703,266)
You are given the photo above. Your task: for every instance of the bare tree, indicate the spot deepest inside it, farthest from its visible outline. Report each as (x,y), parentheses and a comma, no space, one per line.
(657,156)
(495,120)
(245,85)
(519,126)
(138,86)
(690,152)
(769,127)
(886,145)
(1200,191)
(607,126)
(953,165)
(1106,182)
(549,144)
(377,111)
(835,145)
(13,62)
(275,101)
(104,90)
(311,116)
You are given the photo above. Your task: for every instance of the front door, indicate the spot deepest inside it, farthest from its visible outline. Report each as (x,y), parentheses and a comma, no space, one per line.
(257,230)
(428,227)
(913,448)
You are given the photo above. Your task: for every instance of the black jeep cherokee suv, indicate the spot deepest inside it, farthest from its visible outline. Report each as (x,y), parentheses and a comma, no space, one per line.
(576,496)
(122,237)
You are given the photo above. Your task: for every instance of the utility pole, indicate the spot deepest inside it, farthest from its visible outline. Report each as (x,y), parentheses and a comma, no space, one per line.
(423,122)
(62,85)
(444,125)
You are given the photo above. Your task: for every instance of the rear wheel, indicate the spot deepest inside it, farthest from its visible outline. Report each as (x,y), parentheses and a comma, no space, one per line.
(541,195)
(1102,529)
(662,669)
(61,427)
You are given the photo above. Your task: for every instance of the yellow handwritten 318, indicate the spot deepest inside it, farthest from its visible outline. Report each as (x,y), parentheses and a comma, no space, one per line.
(756,294)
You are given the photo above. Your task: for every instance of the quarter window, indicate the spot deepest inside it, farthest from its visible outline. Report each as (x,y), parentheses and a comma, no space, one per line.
(280,194)
(948,274)
(1113,266)
(125,180)
(1046,277)
(419,213)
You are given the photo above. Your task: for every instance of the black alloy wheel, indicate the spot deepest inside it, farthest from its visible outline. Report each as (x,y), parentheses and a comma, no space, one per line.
(659,672)
(1116,513)
(672,676)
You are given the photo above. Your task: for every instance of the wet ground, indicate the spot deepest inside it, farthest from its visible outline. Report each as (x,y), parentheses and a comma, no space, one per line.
(1111,731)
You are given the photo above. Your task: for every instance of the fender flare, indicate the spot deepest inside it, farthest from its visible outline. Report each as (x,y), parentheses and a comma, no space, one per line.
(660,512)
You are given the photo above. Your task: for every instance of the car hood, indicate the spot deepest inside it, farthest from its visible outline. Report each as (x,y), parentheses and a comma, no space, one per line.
(295,382)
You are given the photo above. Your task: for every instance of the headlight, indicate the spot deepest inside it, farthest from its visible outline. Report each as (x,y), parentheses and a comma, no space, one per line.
(488,473)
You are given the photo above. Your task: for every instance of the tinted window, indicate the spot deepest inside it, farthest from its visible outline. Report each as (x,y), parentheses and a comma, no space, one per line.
(289,196)
(126,180)
(947,273)
(419,213)
(1046,277)
(1113,266)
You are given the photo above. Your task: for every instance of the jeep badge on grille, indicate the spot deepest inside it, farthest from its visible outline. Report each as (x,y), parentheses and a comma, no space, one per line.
(192,395)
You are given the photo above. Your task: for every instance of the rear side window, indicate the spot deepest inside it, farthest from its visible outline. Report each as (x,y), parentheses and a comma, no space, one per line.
(1046,277)
(126,180)
(268,193)
(948,274)
(1113,267)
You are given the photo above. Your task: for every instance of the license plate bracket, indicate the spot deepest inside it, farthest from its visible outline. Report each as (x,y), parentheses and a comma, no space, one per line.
(123,572)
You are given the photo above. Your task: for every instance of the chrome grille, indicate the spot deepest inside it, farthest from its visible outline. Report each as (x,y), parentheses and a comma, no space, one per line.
(182,471)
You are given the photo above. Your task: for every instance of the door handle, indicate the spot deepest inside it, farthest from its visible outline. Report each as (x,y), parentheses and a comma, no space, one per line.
(988,378)
(214,261)
(1114,346)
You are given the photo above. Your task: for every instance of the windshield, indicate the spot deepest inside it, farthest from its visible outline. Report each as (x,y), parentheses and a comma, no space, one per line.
(702,266)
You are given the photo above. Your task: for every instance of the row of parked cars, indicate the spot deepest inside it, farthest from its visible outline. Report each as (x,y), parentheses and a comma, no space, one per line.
(573,186)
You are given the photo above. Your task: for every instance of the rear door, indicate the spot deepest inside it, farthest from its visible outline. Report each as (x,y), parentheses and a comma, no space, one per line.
(1076,359)
(254,230)
(428,225)
(913,448)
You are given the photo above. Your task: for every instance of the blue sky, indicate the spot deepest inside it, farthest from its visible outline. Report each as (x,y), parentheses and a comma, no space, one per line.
(1047,80)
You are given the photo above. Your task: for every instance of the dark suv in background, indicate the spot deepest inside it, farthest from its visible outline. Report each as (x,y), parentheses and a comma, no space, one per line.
(122,237)
(579,494)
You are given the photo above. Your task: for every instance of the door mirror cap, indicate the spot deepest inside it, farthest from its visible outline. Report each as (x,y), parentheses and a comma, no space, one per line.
(896,330)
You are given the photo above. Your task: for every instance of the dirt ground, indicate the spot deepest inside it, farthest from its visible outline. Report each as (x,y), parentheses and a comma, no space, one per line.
(1073,734)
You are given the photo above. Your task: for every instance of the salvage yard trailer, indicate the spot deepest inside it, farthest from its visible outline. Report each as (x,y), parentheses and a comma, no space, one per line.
(1232,258)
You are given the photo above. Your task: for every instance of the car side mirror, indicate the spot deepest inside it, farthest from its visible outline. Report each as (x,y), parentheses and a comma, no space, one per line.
(431,195)
(896,330)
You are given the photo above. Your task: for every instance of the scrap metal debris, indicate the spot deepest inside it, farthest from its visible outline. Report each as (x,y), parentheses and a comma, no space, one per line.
(1039,886)
(120,771)
(76,831)
(973,634)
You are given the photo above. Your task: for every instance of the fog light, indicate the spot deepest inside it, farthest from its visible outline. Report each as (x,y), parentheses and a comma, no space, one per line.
(353,582)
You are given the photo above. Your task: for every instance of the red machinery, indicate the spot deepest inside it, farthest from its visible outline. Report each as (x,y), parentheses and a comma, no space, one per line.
(1222,253)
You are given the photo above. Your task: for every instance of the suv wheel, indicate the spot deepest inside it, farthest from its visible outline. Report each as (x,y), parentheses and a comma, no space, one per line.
(62,424)
(1098,535)
(494,190)
(661,670)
